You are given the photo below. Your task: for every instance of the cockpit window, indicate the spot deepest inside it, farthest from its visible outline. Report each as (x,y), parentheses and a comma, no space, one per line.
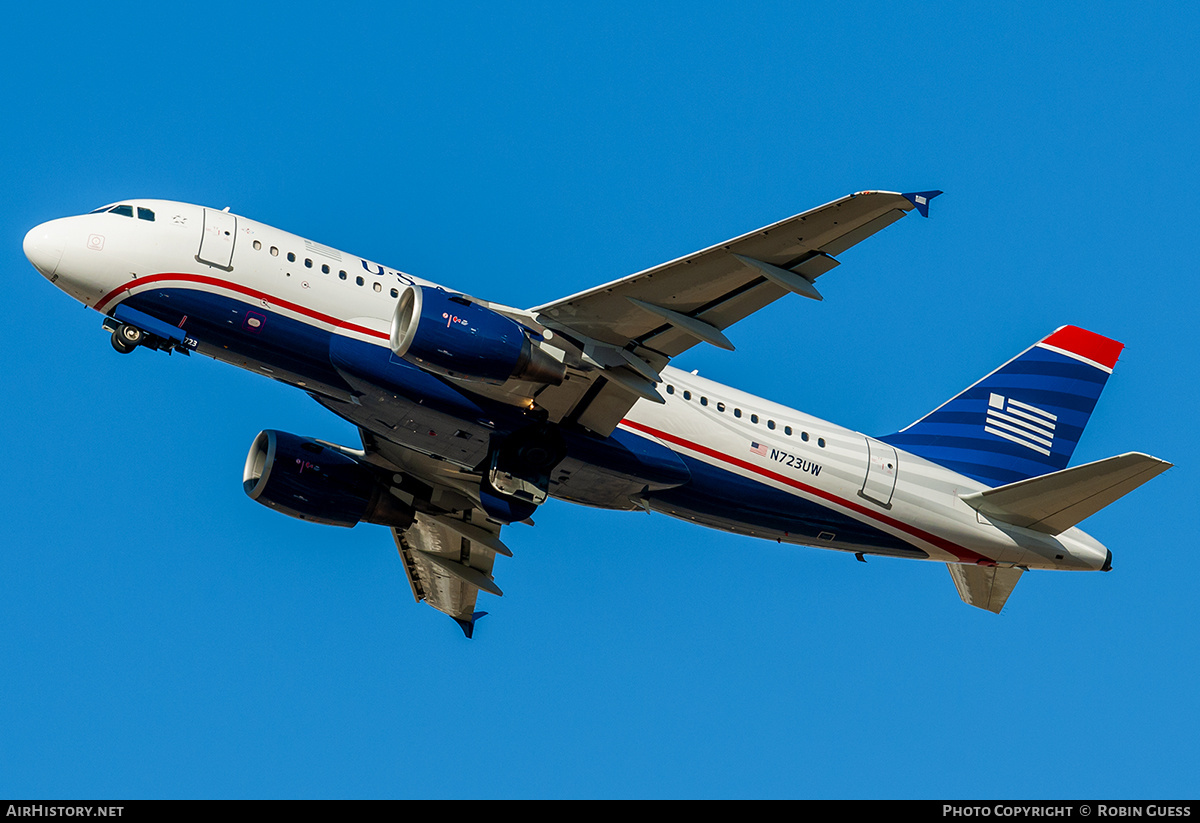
(125,211)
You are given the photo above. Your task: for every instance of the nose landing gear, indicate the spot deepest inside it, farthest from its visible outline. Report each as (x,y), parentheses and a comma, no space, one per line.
(149,333)
(126,338)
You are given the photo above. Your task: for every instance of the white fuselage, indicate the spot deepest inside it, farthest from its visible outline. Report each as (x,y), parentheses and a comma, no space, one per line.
(757,467)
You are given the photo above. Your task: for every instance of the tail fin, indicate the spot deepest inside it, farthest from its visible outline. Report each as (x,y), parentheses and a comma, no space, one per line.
(1025,418)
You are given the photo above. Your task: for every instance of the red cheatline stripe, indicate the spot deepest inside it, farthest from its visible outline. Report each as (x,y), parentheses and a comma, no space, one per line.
(239,288)
(960,552)
(1094,347)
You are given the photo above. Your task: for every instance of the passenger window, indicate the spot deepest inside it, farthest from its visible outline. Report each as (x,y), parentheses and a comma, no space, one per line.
(378,287)
(274,251)
(720,407)
(341,275)
(395,293)
(325,268)
(804,436)
(787,430)
(258,245)
(307,263)
(687,395)
(821,442)
(670,389)
(359,280)
(754,418)
(771,424)
(703,401)
(291,257)
(737,412)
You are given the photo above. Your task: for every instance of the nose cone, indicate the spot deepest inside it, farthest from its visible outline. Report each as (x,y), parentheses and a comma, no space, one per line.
(44,246)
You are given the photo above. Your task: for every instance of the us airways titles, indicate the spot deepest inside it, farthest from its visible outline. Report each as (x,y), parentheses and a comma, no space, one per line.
(380,271)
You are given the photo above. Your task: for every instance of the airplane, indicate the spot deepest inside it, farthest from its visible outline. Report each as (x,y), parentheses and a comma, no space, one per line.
(472,413)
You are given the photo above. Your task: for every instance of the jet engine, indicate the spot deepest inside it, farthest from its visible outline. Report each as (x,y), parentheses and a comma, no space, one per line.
(304,479)
(445,333)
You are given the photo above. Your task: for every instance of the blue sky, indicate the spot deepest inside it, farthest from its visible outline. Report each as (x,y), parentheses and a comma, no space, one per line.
(163,636)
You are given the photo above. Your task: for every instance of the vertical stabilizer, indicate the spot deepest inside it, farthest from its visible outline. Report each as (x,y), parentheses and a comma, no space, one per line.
(1025,418)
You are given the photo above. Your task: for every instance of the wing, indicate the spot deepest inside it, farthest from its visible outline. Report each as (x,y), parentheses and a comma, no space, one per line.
(448,560)
(450,546)
(628,329)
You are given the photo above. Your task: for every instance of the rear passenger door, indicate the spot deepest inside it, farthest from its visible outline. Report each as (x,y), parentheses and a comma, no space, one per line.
(880,482)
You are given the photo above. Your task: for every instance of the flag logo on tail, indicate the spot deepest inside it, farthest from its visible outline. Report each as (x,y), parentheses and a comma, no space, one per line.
(1021,423)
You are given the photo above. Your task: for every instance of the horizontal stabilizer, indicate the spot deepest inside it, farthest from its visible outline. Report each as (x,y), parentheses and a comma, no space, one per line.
(985,587)
(1053,503)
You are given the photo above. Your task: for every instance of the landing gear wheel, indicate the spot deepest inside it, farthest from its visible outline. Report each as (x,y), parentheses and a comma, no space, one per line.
(131,335)
(127,338)
(120,345)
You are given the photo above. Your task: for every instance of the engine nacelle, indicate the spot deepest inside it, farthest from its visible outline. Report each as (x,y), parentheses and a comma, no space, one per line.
(303,479)
(447,334)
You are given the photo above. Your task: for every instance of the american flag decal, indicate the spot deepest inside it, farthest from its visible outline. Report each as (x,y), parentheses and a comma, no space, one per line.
(759,448)
(1021,423)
